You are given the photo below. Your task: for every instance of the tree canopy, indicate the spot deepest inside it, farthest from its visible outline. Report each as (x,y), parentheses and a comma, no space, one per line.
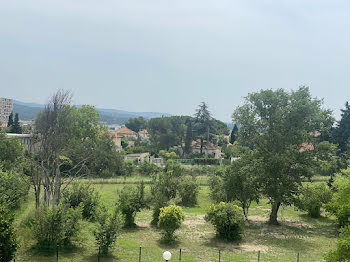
(279,127)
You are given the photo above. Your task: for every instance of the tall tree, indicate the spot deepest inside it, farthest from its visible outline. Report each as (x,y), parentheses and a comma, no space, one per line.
(279,126)
(136,124)
(16,127)
(233,136)
(52,125)
(341,134)
(203,123)
(10,121)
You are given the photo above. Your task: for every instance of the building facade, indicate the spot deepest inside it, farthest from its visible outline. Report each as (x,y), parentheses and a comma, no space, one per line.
(6,107)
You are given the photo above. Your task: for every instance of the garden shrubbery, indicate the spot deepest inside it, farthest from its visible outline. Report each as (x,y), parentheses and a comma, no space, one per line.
(107,229)
(313,197)
(228,220)
(8,243)
(188,191)
(57,226)
(170,219)
(342,252)
(84,194)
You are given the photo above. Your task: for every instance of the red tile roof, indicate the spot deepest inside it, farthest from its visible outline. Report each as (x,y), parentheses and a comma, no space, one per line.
(125,131)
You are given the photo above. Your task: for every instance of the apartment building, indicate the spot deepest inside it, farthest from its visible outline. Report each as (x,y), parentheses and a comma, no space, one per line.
(6,107)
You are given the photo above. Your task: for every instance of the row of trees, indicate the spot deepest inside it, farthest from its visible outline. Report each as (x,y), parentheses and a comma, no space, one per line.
(168,132)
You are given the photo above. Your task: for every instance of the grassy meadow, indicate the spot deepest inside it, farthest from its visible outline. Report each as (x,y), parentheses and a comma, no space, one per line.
(312,238)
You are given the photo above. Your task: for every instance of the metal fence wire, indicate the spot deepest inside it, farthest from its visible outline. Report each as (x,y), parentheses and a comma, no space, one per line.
(148,254)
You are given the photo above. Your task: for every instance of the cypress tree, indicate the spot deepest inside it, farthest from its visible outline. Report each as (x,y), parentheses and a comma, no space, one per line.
(233,136)
(10,121)
(16,128)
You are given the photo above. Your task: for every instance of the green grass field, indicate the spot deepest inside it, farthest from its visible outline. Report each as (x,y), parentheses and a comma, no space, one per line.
(312,238)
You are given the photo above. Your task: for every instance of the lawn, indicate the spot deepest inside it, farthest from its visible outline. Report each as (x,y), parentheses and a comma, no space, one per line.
(312,238)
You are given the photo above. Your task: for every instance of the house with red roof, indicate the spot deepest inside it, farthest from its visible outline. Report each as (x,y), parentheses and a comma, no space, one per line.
(125,132)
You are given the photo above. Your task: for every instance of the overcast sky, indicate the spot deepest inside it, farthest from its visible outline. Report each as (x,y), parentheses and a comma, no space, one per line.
(168,56)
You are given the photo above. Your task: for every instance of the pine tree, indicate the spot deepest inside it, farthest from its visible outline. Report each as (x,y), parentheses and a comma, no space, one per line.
(10,122)
(203,123)
(16,128)
(342,131)
(233,136)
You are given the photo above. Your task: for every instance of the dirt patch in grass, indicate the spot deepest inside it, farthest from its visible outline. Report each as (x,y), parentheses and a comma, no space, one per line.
(194,220)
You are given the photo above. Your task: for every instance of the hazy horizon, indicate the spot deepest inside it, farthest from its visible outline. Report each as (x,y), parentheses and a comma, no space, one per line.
(168,56)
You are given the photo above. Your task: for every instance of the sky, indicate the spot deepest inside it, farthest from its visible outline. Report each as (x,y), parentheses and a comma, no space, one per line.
(168,56)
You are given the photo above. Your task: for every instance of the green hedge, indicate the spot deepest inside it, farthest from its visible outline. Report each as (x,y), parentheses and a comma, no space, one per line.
(206,161)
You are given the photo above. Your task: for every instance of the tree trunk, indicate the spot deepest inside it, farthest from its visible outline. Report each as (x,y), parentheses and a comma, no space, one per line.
(274,211)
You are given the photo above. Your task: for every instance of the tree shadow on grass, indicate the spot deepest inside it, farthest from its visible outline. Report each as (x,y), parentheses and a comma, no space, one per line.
(133,229)
(103,257)
(165,244)
(51,251)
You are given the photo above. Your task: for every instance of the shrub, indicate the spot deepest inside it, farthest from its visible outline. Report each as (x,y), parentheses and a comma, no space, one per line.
(8,243)
(82,194)
(129,168)
(216,185)
(205,161)
(13,188)
(56,227)
(129,204)
(342,253)
(313,197)
(159,201)
(107,229)
(188,191)
(227,219)
(170,219)
(340,202)
(148,169)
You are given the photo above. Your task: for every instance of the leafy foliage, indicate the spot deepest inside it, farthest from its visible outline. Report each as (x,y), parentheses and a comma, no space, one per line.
(188,191)
(83,194)
(11,156)
(313,197)
(13,188)
(341,134)
(57,226)
(170,219)
(227,219)
(107,229)
(131,200)
(279,126)
(148,169)
(136,124)
(342,253)
(8,242)
(340,202)
(241,182)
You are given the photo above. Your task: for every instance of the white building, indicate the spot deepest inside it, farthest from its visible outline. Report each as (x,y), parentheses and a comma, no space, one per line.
(6,107)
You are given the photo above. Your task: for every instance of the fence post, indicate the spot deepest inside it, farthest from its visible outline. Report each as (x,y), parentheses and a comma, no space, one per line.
(140,254)
(99,252)
(219,255)
(298,257)
(180,256)
(258,256)
(57,253)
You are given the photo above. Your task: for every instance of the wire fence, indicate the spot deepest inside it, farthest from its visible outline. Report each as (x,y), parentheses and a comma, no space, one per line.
(148,254)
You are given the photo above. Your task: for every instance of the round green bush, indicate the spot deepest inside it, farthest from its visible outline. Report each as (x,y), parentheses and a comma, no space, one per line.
(228,220)
(170,219)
